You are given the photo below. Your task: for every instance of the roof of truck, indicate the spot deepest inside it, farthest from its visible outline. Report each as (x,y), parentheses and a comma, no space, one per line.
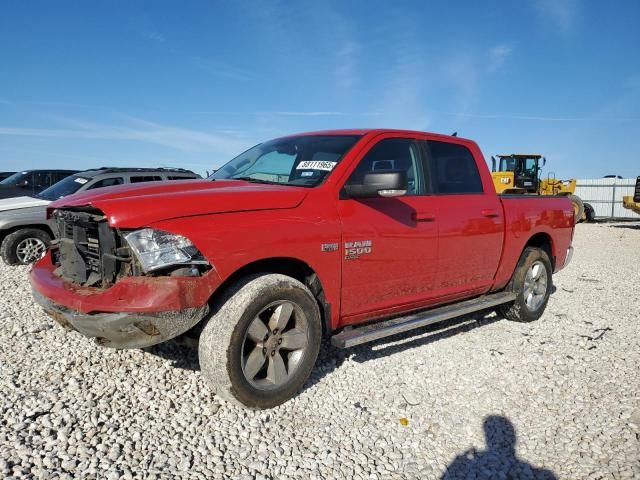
(365,131)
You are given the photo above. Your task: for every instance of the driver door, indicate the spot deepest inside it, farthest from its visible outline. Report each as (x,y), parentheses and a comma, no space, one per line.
(389,245)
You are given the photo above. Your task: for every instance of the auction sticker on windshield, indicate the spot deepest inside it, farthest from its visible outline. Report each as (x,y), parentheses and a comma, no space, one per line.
(316,165)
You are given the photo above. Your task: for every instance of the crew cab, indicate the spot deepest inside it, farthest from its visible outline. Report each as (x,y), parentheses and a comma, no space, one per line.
(351,234)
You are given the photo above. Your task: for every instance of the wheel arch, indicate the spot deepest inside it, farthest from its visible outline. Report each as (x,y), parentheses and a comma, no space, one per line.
(290,266)
(543,241)
(9,230)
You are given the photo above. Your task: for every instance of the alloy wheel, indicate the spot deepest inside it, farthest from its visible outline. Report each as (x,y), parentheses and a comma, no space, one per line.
(535,286)
(30,249)
(274,345)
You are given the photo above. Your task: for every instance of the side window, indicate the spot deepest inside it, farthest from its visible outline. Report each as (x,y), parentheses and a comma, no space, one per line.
(453,169)
(392,154)
(107,182)
(41,180)
(145,178)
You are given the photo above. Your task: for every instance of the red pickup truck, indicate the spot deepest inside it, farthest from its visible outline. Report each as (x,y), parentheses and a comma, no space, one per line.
(351,234)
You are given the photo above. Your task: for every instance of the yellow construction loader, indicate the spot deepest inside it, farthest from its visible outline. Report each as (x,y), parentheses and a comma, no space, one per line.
(632,202)
(519,173)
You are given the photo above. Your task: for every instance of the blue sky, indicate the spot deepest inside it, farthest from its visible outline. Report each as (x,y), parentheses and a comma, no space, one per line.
(191,84)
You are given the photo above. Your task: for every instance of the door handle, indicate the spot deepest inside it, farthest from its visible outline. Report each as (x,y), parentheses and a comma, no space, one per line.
(423,216)
(489,213)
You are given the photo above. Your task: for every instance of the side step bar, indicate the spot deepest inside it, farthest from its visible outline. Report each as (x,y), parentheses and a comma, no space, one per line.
(375,331)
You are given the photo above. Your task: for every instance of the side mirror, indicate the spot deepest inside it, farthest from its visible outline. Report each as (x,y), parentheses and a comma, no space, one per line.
(493,164)
(544,161)
(383,183)
(23,183)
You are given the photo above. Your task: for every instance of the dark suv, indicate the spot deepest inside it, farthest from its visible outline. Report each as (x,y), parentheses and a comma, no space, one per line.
(25,231)
(31,182)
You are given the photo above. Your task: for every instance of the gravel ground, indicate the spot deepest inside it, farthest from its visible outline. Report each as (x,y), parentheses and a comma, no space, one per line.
(480,398)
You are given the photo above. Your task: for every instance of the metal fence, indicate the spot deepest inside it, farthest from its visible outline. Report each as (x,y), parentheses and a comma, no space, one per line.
(605,196)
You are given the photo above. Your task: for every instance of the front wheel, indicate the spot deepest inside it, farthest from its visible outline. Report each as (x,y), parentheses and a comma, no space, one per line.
(532,284)
(260,346)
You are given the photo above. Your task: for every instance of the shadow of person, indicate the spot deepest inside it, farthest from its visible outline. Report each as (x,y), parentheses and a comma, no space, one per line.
(499,460)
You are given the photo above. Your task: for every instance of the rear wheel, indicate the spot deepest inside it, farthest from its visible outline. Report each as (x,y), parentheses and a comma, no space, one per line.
(578,207)
(260,346)
(532,283)
(589,213)
(24,246)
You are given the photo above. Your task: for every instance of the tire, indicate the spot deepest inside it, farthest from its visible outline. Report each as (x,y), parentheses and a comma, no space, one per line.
(578,207)
(525,309)
(24,246)
(589,213)
(238,342)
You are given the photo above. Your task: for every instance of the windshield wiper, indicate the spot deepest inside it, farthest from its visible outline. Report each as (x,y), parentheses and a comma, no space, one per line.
(257,180)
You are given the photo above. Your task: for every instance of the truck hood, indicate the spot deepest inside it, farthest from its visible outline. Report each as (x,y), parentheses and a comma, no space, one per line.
(21,202)
(135,206)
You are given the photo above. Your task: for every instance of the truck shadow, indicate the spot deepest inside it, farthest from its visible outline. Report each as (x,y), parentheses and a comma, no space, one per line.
(416,338)
(182,352)
(421,337)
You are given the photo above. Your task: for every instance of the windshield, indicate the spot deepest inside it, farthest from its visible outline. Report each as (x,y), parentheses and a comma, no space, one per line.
(15,178)
(64,187)
(303,161)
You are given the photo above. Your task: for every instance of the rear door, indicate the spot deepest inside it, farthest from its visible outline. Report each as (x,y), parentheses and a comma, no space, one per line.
(470,220)
(389,245)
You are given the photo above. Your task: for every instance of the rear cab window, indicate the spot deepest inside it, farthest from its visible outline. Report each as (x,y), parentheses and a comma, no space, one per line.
(452,169)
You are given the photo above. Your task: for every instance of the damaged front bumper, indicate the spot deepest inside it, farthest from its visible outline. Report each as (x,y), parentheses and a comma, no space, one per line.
(124,329)
(135,312)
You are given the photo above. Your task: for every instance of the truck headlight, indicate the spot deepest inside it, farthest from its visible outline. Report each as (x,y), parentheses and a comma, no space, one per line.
(157,249)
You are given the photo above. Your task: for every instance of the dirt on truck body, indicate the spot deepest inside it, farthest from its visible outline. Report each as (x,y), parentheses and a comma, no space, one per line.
(352,234)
